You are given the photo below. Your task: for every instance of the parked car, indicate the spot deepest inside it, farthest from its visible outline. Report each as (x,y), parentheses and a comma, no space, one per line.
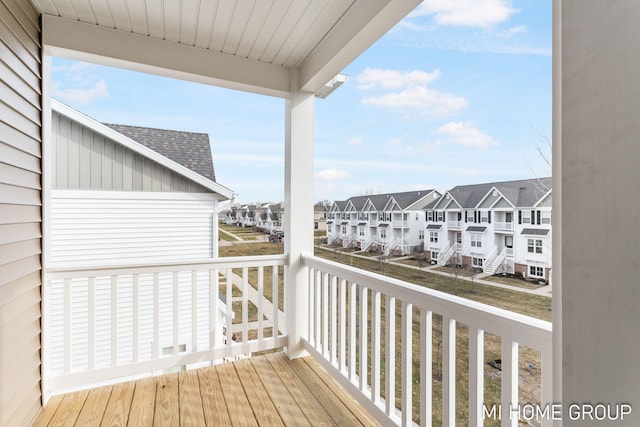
(276,236)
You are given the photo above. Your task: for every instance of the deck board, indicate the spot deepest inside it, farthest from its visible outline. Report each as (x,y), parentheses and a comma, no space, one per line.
(143,403)
(265,412)
(94,407)
(215,408)
(116,414)
(167,412)
(191,411)
(263,390)
(312,409)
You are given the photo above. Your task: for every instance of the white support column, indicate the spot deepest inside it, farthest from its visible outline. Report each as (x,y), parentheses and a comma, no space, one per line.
(298,215)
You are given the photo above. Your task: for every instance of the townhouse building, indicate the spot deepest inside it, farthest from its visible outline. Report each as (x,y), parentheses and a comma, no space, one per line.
(500,227)
(386,223)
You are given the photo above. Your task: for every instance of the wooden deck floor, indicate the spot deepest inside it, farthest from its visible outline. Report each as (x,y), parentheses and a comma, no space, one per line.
(267,390)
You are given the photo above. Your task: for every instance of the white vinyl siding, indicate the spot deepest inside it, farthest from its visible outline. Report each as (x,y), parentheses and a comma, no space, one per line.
(20,212)
(123,227)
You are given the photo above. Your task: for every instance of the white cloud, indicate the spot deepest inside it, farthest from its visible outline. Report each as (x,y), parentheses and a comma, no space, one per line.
(467,135)
(430,103)
(332,174)
(81,96)
(466,13)
(393,79)
(510,32)
(355,141)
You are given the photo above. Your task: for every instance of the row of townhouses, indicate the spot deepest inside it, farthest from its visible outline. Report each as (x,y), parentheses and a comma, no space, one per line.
(500,227)
(268,216)
(387,223)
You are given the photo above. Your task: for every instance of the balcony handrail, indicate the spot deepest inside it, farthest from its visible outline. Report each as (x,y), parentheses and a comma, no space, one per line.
(345,352)
(97,270)
(525,329)
(141,310)
(355,355)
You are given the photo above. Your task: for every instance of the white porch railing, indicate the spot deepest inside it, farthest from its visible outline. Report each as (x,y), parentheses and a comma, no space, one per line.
(504,226)
(367,243)
(348,241)
(112,322)
(453,224)
(349,314)
(400,224)
(392,246)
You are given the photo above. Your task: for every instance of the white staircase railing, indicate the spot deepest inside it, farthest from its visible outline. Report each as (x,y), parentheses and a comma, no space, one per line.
(495,263)
(489,260)
(392,246)
(367,243)
(446,254)
(348,241)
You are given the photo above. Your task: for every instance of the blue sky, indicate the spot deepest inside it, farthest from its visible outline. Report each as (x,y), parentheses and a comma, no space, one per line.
(457,93)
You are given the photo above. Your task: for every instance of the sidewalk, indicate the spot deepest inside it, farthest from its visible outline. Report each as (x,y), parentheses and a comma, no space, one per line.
(543,290)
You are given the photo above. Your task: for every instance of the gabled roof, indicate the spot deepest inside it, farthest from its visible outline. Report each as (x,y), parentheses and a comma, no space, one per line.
(140,148)
(190,149)
(380,201)
(521,193)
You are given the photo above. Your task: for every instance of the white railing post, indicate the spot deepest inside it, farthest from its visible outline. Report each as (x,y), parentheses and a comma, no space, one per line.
(298,221)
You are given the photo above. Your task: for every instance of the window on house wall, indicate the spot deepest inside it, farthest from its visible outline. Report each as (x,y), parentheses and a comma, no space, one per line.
(440,216)
(434,255)
(405,216)
(361,231)
(508,217)
(526,217)
(536,271)
(429,216)
(545,217)
(433,236)
(383,233)
(329,228)
(417,217)
(484,216)
(344,230)
(534,246)
(421,234)
(470,216)
(477,262)
(476,240)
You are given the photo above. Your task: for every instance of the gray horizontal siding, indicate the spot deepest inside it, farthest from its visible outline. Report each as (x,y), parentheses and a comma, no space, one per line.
(20,213)
(85,159)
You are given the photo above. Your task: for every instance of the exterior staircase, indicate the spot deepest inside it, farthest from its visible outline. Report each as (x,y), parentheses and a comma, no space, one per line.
(494,260)
(446,254)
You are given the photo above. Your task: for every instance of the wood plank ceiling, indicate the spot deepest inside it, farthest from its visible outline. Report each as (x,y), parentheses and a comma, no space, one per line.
(280,32)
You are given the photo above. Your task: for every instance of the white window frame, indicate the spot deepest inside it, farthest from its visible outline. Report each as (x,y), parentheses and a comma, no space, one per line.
(421,234)
(477,262)
(383,233)
(545,218)
(534,246)
(526,217)
(484,216)
(434,255)
(440,216)
(476,240)
(429,216)
(534,269)
(361,231)
(433,237)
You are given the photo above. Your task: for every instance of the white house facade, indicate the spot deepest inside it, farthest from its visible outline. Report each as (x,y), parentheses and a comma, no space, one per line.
(501,227)
(387,223)
(134,206)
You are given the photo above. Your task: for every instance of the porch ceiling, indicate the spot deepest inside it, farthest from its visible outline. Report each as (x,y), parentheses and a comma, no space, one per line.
(244,44)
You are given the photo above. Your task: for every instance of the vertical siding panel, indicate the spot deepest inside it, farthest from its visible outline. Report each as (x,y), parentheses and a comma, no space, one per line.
(85,158)
(127,171)
(107,164)
(62,153)
(118,153)
(20,281)
(73,165)
(138,164)
(96,162)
